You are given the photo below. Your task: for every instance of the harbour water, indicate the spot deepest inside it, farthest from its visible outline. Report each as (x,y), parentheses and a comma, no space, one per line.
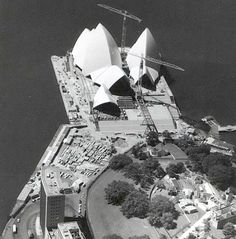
(199,36)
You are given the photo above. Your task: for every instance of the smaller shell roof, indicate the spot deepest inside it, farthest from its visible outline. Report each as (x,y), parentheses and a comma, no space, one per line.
(114,79)
(105,102)
(148,78)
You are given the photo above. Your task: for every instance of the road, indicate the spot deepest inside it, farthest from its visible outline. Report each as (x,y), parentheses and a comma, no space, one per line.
(27,222)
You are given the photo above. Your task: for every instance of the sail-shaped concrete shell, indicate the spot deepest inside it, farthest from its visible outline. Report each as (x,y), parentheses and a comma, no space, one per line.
(97,49)
(114,79)
(145,46)
(80,47)
(104,102)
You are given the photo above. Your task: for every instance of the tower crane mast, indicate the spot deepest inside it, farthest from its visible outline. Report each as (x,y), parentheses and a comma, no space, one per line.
(125,15)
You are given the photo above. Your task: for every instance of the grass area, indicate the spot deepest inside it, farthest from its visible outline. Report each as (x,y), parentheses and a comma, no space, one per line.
(107,219)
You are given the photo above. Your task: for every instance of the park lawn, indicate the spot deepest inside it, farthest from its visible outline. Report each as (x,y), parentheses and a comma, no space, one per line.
(107,219)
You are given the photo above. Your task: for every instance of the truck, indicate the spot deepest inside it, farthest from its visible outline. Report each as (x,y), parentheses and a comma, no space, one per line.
(14,229)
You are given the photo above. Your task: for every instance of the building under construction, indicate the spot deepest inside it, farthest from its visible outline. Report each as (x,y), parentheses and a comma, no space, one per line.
(119,101)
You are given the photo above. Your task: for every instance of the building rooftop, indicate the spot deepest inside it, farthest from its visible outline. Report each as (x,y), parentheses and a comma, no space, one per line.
(70,230)
(51,180)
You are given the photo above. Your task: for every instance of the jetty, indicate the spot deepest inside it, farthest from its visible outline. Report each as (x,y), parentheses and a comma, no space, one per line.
(227,128)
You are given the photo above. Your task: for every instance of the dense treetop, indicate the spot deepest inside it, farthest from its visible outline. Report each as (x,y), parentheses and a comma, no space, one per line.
(152,138)
(119,161)
(136,204)
(117,191)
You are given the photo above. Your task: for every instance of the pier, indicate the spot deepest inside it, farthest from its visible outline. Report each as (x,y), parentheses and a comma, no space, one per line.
(227,128)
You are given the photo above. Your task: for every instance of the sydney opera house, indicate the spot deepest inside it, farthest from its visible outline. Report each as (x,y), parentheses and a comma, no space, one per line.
(111,89)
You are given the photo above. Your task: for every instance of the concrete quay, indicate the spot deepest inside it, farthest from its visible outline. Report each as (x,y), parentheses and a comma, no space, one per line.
(75,97)
(227,128)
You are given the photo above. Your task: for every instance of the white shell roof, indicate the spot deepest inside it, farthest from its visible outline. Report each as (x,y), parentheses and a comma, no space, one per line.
(96,49)
(114,79)
(144,46)
(109,76)
(80,47)
(105,102)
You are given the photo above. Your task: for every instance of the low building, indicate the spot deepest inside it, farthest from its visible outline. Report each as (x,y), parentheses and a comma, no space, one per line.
(176,152)
(190,209)
(185,203)
(224,215)
(219,146)
(69,230)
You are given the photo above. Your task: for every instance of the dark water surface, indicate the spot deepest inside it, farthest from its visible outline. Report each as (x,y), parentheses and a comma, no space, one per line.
(199,36)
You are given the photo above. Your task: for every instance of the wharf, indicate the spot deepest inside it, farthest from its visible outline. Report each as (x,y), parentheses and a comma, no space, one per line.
(78,93)
(75,92)
(227,128)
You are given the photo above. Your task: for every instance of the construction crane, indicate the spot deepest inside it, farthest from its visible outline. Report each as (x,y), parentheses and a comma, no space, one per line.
(141,103)
(157,61)
(148,121)
(125,15)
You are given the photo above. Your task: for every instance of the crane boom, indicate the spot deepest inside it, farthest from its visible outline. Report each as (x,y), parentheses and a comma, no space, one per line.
(157,61)
(121,12)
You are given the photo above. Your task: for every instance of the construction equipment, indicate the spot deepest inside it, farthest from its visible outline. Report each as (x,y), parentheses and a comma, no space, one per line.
(125,15)
(157,61)
(139,96)
(142,105)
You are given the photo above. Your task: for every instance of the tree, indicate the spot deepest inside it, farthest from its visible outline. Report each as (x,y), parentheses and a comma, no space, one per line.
(180,168)
(173,169)
(201,149)
(143,156)
(161,204)
(154,219)
(138,152)
(119,161)
(140,237)
(191,236)
(136,204)
(152,168)
(195,163)
(159,172)
(184,143)
(117,191)
(112,236)
(167,221)
(134,171)
(152,138)
(221,176)
(229,231)
(162,213)
(215,159)
(146,181)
